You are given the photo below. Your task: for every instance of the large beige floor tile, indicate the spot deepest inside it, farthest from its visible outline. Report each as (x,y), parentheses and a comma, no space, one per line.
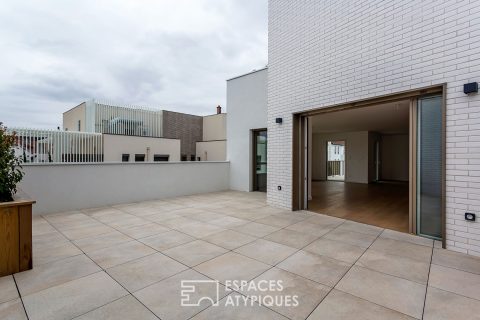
(124,308)
(342,306)
(233,307)
(176,222)
(456,281)
(48,238)
(87,231)
(291,238)
(142,272)
(400,266)
(54,273)
(309,228)
(73,298)
(112,256)
(280,220)
(41,226)
(8,289)
(335,249)
(401,236)
(160,217)
(351,237)
(12,310)
(229,239)
(308,293)
(143,231)
(456,260)
(228,222)
(360,228)
(164,298)
(45,253)
(321,269)
(403,248)
(444,305)
(256,229)
(199,229)
(207,216)
(167,240)
(266,251)
(195,252)
(103,241)
(391,292)
(325,221)
(232,266)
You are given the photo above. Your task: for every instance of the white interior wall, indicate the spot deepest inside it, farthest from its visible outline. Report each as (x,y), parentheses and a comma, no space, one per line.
(394,157)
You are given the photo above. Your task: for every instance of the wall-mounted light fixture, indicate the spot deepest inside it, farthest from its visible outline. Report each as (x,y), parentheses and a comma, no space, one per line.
(470,216)
(278,120)
(471,87)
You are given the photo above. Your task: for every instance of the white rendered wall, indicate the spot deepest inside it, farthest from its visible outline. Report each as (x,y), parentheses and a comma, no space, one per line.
(211,150)
(215,127)
(323,53)
(247,110)
(116,145)
(66,187)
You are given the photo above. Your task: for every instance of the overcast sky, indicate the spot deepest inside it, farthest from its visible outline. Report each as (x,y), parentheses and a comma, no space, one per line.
(169,54)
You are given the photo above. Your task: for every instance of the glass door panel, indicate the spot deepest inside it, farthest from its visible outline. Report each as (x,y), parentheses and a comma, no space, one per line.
(429,166)
(260,154)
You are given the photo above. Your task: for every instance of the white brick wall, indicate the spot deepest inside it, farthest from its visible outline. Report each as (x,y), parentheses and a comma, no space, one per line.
(327,52)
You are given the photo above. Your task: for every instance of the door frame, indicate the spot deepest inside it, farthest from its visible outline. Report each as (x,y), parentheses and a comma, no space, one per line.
(253,160)
(299,143)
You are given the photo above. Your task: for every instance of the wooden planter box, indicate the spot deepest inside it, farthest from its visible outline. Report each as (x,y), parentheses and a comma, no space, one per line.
(15,236)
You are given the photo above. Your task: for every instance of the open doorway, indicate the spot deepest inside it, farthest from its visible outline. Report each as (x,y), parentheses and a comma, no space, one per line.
(336,160)
(394,157)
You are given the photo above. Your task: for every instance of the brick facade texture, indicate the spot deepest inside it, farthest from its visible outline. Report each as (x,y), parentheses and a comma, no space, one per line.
(186,127)
(323,53)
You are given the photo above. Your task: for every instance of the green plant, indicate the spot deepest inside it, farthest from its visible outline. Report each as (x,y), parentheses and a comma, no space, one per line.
(10,166)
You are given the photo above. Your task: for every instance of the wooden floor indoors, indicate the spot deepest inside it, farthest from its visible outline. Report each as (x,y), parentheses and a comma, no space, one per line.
(383,204)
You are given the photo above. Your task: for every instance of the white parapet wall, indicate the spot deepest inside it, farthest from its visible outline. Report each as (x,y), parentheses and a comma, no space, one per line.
(68,187)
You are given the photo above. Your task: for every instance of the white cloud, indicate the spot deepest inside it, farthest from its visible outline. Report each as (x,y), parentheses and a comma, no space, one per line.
(171,54)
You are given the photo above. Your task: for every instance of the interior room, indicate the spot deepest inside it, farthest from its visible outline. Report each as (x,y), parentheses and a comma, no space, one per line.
(360,164)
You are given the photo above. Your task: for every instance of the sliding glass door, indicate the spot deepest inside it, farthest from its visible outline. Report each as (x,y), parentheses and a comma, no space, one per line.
(260,160)
(429,166)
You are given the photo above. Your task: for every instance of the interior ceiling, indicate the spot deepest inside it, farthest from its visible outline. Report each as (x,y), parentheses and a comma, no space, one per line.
(388,118)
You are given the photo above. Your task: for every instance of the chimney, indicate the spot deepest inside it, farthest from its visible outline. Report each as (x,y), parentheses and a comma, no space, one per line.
(219,109)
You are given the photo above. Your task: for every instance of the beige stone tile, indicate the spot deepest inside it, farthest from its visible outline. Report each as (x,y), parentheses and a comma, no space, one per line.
(143,231)
(400,236)
(12,310)
(229,239)
(232,266)
(41,226)
(48,238)
(55,273)
(266,251)
(128,222)
(444,305)
(321,269)
(360,228)
(308,293)
(195,252)
(291,238)
(73,298)
(343,306)
(309,228)
(138,274)
(88,231)
(199,229)
(166,240)
(456,260)
(124,308)
(456,281)
(176,222)
(402,248)
(325,221)
(280,220)
(256,229)
(102,241)
(188,212)
(45,253)
(335,249)
(228,222)
(160,217)
(388,291)
(399,266)
(206,216)
(164,298)
(355,238)
(112,256)
(8,289)
(228,308)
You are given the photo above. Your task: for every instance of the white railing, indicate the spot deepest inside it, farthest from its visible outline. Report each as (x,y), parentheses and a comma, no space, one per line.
(128,120)
(52,146)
